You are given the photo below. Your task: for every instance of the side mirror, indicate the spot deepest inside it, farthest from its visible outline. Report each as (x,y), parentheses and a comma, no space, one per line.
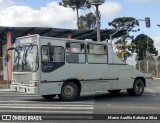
(7,57)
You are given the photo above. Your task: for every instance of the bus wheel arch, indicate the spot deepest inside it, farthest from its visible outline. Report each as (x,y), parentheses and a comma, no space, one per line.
(138,87)
(143,79)
(70,90)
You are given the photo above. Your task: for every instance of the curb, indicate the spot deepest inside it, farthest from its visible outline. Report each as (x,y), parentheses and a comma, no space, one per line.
(155,78)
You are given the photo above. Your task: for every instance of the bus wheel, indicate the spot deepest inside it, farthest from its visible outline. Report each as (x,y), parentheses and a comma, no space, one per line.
(69,91)
(114,92)
(48,96)
(138,88)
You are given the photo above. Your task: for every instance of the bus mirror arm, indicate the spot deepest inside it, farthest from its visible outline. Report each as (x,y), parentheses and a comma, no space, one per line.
(7,57)
(12,48)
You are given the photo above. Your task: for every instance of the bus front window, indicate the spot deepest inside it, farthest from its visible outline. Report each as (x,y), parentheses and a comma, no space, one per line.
(26,59)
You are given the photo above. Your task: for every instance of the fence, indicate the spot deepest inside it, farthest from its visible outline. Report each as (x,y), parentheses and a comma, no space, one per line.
(147,66)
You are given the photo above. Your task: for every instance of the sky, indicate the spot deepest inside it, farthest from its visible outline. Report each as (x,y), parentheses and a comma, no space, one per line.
(47,13)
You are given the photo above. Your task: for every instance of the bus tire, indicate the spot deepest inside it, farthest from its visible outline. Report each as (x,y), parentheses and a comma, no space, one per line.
(48,96)
(114,92)
(69,91)
(130,92)
(138,88)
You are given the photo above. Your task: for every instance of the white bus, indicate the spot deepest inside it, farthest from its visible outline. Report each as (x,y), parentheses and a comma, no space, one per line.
(68,68)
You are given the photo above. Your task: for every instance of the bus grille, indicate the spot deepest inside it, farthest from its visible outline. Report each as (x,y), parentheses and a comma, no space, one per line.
(22,78)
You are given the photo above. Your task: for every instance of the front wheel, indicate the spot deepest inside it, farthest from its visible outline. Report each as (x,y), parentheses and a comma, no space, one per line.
(69,91)
(138,88)
(48,96)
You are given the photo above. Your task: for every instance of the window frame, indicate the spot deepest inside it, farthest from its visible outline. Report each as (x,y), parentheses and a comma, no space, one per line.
(21,46)
(87,53)
(76,53)
(49,59)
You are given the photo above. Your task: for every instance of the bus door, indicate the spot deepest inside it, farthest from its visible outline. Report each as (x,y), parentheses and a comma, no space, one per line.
(52,60)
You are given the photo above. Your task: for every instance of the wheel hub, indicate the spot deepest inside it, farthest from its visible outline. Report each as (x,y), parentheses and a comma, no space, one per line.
(68,91)
(139,87)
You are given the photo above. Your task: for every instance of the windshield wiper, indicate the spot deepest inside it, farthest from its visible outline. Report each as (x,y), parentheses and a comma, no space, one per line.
(17,57)
(26,52)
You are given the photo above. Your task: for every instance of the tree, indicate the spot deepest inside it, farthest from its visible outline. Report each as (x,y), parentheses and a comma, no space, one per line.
(141,46)
(87,22)
(124,22)
(75,5)
(126,51)
(127,23)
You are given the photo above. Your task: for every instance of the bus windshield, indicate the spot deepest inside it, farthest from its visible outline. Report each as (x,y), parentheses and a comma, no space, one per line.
(26,59)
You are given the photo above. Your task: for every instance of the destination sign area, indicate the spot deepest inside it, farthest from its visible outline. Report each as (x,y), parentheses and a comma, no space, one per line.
(26,40)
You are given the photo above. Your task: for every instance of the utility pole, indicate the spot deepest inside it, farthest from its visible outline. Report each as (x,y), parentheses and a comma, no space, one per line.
(157,73)
(147,53)
(97,3)
(98,23)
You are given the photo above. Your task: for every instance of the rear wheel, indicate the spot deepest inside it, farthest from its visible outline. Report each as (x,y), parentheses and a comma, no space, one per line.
(48,96)
(69,91)
(114,92)
(138,88)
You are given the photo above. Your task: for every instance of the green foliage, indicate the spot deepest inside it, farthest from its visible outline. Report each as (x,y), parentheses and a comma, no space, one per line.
(75,5)
(124,22)
(124,51)
(127,23)
(88,21)
(141,46)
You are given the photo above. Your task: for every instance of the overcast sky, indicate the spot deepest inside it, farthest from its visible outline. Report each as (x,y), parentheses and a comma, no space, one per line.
(47,13)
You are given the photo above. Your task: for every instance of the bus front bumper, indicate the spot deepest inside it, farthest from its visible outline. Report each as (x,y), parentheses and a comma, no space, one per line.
(24,89)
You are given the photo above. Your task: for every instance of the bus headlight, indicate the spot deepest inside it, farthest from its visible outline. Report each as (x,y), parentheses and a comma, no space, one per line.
(33,83)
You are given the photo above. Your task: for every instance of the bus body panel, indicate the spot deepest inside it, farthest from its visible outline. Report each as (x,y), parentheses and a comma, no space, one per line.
(112,75)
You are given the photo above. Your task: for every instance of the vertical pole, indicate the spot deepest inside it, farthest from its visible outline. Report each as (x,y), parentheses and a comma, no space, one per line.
(9,45)
(1,61)
(1,49)
(110,38)
(156,66)
(147,65)
(147,53)
(69,35)
(139,67)
(1,53)
(98,23)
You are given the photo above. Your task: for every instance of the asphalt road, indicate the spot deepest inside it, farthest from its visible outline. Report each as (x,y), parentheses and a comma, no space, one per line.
(84,109)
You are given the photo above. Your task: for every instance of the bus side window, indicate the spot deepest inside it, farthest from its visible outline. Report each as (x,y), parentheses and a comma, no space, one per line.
(96,53)
(75,52)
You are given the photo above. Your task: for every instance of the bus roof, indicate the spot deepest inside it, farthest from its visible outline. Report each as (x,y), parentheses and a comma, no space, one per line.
(66,39)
